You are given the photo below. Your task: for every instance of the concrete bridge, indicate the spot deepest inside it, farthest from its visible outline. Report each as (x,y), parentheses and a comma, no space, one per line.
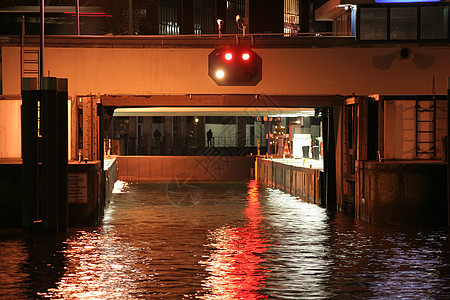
(384,106)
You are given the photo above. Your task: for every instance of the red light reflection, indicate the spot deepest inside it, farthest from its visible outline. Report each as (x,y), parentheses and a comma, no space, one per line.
(235,264)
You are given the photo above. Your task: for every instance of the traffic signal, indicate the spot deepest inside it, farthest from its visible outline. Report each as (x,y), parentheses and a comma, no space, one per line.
(235,66)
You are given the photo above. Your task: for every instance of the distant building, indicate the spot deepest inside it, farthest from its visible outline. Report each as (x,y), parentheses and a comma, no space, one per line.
(168,17)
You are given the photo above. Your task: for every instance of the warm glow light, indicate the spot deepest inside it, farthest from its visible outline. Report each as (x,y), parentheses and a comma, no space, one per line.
(228,56)
(220,74)
(245,56)
(120,187)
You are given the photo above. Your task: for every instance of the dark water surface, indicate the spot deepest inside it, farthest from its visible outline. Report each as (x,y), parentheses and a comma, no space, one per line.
(225,241)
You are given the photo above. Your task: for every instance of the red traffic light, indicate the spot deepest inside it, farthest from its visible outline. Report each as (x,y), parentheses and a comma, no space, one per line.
(228,56)
(245,56)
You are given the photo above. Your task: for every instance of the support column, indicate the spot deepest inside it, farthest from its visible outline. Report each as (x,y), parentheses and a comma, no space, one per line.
(49,124)
(30,177)
(62,153)
(329,161)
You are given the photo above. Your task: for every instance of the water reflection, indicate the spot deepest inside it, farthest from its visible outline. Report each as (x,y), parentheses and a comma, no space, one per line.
(300,259)
(235,264)
(226,241)
(99,266)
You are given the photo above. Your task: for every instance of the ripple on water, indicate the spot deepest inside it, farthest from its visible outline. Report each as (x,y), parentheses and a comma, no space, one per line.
(226,241)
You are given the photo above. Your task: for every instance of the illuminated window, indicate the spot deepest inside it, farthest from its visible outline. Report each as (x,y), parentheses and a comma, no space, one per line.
(170,17)
(291,16)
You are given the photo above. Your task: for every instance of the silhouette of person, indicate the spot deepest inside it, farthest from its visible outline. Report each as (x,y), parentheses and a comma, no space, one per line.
(209,135)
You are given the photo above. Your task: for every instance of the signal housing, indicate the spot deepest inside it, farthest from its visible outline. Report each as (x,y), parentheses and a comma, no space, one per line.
(237,66)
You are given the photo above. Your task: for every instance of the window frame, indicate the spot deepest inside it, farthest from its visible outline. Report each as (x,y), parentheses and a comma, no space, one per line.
(388,39)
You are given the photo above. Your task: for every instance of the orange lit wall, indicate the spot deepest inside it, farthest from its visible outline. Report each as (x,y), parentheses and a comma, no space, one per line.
(306,71)
(10,130)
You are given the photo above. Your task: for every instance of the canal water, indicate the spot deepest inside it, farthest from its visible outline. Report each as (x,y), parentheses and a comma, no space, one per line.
(225,241)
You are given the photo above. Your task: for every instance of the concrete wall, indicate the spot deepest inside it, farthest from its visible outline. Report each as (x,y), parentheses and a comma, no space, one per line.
(10,129)
(87,214)
(11,194)
(184,168)
(402,193)
(400,115)
(300,71)
(298,181)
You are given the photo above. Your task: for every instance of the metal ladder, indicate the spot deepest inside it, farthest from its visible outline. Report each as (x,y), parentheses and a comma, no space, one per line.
(425,128)
(31,64)
(31,69)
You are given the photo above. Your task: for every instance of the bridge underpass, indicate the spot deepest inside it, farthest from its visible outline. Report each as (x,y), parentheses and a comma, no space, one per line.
(121,74)
(240,134)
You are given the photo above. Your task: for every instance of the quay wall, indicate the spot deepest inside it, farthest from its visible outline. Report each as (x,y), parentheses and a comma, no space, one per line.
(399,192)
(303,182)
(11,194)
(80,213)
(184,168)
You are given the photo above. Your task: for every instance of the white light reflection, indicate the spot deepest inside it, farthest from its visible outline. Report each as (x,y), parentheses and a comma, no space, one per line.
(97,268)
(120,187)
(302,249)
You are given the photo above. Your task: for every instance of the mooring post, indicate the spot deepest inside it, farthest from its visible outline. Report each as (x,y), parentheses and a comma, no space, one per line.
(62,152)
(30,171)
(48,129)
